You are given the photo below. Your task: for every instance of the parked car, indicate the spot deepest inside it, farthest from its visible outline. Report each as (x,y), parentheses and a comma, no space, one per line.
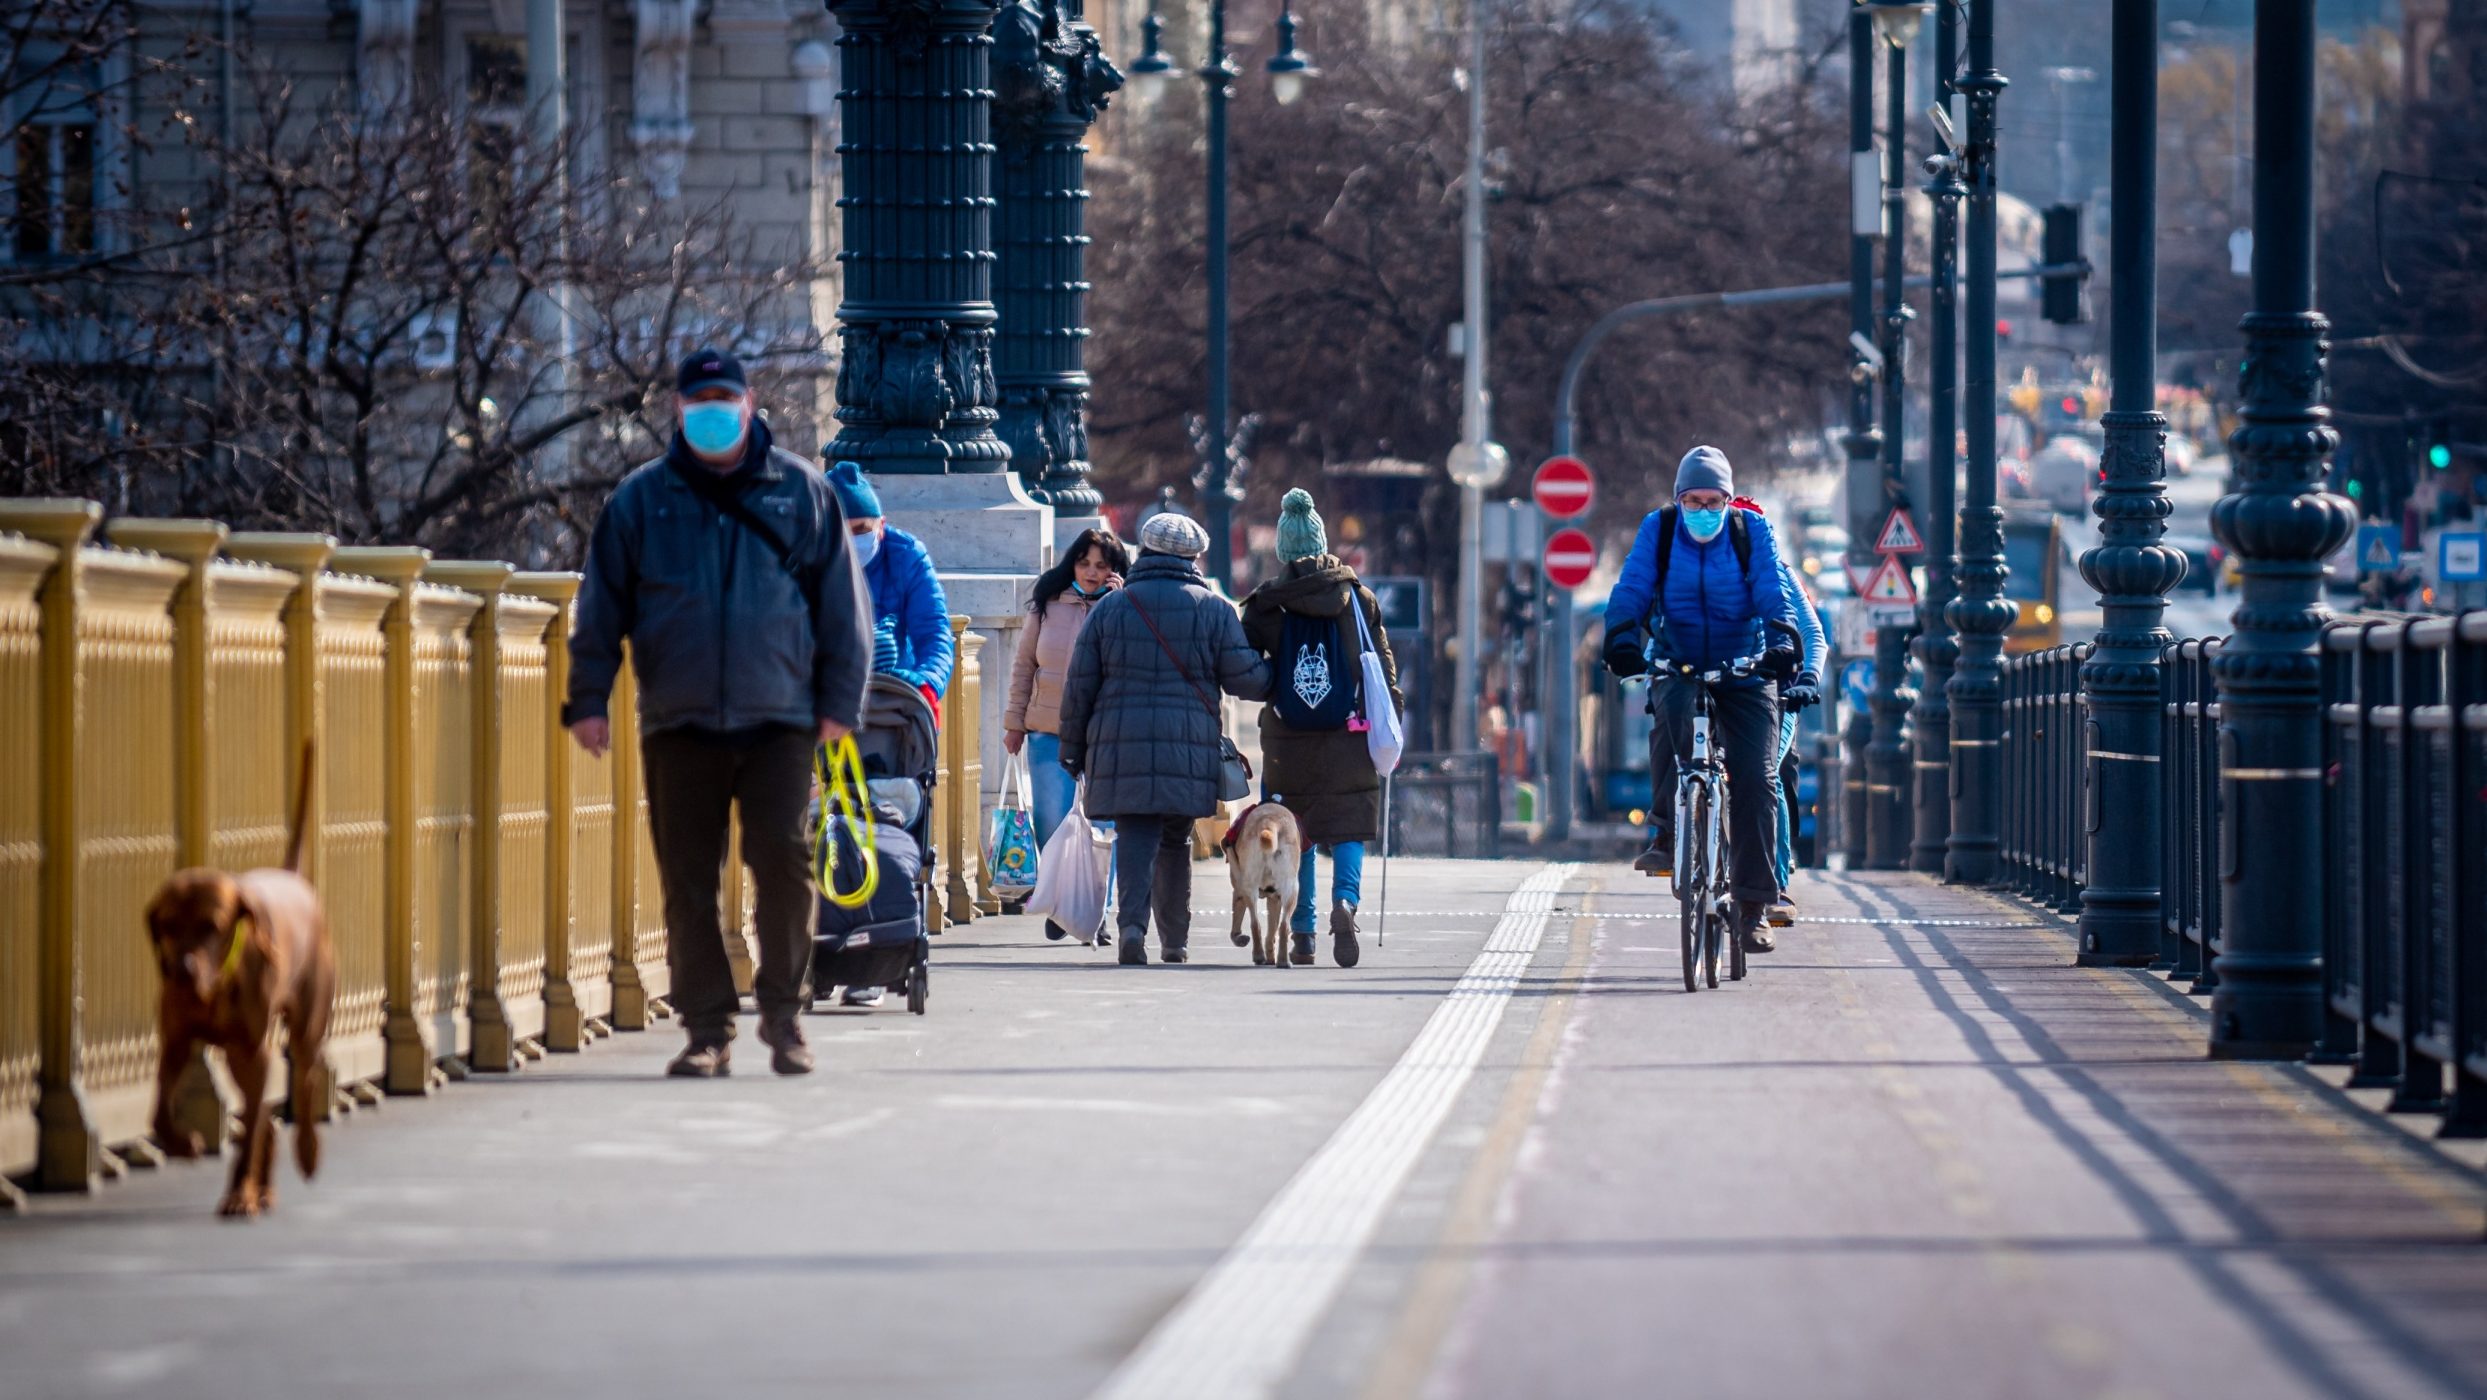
(2203,558)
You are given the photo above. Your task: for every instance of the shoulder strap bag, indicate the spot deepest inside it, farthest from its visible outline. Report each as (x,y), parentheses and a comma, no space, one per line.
(1234,770)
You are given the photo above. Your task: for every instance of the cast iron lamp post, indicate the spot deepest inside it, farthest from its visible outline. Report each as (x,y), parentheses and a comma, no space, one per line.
(1981,614)
(1288,71)
(1887,754)
(916,390)
(1863,441)
(1050,82)
(2281,524)
(2130,568)
(1930,722)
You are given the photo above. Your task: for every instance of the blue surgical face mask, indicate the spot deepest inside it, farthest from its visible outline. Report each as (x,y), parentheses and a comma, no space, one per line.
(1704,525)
(713,429)
(867,546)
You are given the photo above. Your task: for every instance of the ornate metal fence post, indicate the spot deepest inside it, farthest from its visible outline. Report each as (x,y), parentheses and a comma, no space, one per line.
(1981,614)
(1050,83)
(2281,524)
(916,392)
(2130,569)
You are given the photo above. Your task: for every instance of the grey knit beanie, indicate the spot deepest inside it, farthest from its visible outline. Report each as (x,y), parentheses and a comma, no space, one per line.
(1705,469)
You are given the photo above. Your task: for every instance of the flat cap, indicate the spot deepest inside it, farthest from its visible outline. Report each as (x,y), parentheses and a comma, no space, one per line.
(1172,532)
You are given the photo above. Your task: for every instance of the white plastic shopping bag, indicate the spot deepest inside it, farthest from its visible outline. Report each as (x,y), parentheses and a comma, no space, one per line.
(1010,843)
(1073,873)
(1385,738)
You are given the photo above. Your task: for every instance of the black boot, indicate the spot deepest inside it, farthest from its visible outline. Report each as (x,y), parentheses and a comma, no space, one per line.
(1659,859)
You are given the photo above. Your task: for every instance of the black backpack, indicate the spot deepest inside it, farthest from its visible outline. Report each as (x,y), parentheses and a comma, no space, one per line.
(1312,685)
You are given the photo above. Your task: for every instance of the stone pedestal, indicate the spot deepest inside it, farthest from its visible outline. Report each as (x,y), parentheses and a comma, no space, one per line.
(988,541)
(1068,527)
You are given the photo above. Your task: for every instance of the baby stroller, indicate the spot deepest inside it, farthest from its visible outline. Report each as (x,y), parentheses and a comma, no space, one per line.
(883,942)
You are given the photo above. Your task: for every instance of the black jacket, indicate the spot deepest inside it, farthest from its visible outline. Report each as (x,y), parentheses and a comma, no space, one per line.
(1142,737)
(723,633)
(1325,777)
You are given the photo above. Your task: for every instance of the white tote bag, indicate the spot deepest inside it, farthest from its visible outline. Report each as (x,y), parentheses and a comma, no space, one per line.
(1073,873)
(1384,737)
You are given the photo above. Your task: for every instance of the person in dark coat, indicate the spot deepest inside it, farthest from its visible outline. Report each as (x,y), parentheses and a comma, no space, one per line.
(1324,776)
(1140,724)
(727,566)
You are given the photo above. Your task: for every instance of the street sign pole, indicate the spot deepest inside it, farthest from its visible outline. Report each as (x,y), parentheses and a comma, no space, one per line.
(1564,489)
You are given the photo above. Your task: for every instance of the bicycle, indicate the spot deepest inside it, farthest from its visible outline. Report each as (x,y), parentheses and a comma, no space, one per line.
(1702,854)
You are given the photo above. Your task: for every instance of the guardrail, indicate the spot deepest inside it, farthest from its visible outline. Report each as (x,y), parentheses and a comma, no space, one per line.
(2404,826)
(2045,756)
(491,891)
(2405,953)
(1446,804)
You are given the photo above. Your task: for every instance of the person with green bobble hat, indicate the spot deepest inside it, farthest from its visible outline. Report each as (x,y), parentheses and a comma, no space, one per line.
(1313,757)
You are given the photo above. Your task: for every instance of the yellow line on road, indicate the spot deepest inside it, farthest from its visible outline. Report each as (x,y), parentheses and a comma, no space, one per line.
(1424,1323)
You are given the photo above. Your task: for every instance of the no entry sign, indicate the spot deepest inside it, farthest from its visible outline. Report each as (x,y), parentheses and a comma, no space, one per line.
(1563,487)
(1570,558)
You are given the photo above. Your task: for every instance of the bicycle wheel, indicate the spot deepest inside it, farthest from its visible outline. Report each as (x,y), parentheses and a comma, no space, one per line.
(1693,879)
(1714,877)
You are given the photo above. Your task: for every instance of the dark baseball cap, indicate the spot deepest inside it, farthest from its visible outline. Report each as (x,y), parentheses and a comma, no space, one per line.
(708,368)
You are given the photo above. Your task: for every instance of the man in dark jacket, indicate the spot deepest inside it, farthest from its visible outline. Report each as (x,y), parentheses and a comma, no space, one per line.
(1321,771)
(1140,723)
(726,565)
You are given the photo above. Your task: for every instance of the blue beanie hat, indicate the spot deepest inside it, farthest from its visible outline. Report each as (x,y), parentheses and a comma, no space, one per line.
(855,495)
(1705,469)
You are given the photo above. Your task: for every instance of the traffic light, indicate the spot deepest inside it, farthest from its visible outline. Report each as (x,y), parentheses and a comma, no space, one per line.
(2060,246)
(2439,444)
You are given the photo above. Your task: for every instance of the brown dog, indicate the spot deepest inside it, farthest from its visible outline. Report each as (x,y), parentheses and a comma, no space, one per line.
(1262,856)
(239,954)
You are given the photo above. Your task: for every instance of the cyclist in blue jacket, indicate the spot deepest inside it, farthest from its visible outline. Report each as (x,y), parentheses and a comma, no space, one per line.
(1702,579)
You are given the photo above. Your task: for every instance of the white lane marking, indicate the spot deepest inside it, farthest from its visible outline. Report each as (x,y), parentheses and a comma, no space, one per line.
(1187,1108)
(1239,1330)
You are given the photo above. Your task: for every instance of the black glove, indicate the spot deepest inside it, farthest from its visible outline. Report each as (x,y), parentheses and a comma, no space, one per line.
(1802,693)
(1072,766)
(1624,656)
(1780,663)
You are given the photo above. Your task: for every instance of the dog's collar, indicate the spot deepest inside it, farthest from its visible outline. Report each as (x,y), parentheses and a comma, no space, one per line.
(233,955)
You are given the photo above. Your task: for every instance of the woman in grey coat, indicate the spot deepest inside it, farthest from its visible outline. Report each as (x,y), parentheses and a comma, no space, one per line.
(1140,724)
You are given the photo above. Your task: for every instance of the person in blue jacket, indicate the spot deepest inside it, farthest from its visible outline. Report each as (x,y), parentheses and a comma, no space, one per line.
(1794,698)
(1703,578)
(910,618)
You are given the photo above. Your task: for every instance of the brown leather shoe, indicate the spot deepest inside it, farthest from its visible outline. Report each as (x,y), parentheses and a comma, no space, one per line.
(788,1054)
(702,1059)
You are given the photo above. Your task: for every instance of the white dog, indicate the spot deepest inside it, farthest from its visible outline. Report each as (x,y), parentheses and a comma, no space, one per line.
(1263,855)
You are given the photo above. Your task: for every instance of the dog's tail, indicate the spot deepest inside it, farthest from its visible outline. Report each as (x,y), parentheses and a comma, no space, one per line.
(1269,838)
(302,813)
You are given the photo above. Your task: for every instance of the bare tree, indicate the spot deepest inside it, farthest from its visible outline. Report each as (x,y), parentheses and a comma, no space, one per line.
(412,337)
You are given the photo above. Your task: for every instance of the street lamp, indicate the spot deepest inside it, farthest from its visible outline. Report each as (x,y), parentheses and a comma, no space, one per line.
(1288,72)
(1896,21)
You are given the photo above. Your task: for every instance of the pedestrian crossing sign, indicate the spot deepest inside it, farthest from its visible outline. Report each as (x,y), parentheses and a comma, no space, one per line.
(1890,583)
(2378,548)
(1899,535)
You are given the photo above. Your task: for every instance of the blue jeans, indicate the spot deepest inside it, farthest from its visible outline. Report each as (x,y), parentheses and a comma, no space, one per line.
(1785,857)
(1346,880)
(1051,788)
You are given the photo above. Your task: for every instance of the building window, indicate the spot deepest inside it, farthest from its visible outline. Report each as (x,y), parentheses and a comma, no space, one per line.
(496,112)
(51,181)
